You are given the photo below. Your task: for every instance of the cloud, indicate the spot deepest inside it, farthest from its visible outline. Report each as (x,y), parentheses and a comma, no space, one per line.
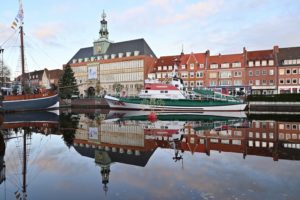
(49,33)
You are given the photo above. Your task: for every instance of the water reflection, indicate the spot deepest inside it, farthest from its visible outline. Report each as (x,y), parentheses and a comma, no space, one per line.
(119,141)
(128,137)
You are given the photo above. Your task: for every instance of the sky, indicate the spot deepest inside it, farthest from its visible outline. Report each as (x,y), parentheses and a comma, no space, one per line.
(55,30)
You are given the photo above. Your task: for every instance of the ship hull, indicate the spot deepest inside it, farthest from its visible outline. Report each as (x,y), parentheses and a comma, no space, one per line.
(174,105)
(41,102)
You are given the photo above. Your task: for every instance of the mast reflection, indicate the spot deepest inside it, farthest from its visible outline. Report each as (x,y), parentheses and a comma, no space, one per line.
(20,126)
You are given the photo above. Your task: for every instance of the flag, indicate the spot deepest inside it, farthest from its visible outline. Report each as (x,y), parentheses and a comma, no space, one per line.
(20,16)
(14,25)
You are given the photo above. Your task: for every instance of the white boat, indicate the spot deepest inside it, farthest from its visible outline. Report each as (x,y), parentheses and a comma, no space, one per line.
(173,96)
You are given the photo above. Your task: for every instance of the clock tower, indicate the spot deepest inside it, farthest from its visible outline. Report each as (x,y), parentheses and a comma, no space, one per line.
(101,45)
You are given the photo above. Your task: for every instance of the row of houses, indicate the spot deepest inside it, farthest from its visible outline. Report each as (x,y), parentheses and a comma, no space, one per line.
(37,79)
(100,67)
(271,71)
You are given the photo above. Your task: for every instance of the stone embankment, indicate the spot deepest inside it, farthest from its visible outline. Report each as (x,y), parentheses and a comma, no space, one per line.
(282,107)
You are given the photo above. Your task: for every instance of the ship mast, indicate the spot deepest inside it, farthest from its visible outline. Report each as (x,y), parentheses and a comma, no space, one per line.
(20,17)
(22,54)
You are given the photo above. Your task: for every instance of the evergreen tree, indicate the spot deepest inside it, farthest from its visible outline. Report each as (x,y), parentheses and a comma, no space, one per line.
(67,84)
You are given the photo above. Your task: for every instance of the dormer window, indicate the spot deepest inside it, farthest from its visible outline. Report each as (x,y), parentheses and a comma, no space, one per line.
(213,66)
(250,63)
(192,66)
(225,65)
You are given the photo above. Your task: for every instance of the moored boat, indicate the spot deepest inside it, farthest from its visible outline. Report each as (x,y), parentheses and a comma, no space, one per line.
(173,96)
(42,101)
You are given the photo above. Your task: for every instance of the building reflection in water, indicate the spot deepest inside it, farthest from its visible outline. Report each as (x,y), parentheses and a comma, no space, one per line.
(133,140)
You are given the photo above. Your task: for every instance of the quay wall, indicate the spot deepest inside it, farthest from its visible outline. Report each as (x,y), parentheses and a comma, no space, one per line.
(264,106)
(89,103)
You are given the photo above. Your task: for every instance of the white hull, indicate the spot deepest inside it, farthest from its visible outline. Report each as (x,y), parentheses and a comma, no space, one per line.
(115,103)
(115,114)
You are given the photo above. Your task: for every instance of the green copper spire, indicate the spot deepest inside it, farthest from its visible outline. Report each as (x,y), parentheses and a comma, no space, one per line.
(103,30)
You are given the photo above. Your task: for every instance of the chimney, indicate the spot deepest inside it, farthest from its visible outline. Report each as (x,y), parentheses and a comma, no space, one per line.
(276,49)
(245,56)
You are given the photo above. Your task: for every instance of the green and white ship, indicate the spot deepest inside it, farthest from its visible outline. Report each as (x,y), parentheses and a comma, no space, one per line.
(173,97)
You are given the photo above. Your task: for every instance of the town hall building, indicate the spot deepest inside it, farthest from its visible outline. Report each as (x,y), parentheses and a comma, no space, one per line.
(106,65)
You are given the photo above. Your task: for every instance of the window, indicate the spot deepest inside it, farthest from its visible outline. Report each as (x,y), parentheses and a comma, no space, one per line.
(192,83)
(288,81)
(281,71)
(294,126)
(201,65)
(281,81)
(257,63)
(165,68)
(158,75)
(225,82)
(213,66)
(288,71)
(184,74)
(192,74)
(294,81)
(271,82)
(250,82)
(271,62)
(271,125)
(199,83)
(257,135)
(294,71)
(159,68)
(199,74)
(250,73)
(257,82)
(250,63)
(213,75)
(237,74)
(192,66)
(264,63)
(271,72)
(264,72)
(170,67)
(213,83)
(237,82)
(251,134)
(236,64)
(182,66)
(225,74)
(257,72)
(264,82)
(225,65)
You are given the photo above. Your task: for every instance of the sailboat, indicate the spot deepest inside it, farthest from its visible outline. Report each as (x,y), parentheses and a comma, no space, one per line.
(42,101)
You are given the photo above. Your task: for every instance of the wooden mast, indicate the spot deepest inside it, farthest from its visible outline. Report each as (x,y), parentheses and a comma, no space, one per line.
(22,54)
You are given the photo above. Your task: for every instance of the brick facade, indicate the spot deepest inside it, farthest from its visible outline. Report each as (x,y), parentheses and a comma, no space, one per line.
(271,71)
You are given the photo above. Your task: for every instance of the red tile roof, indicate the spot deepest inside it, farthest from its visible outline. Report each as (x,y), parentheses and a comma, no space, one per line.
(229,58)
(260,55)
(167,60)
